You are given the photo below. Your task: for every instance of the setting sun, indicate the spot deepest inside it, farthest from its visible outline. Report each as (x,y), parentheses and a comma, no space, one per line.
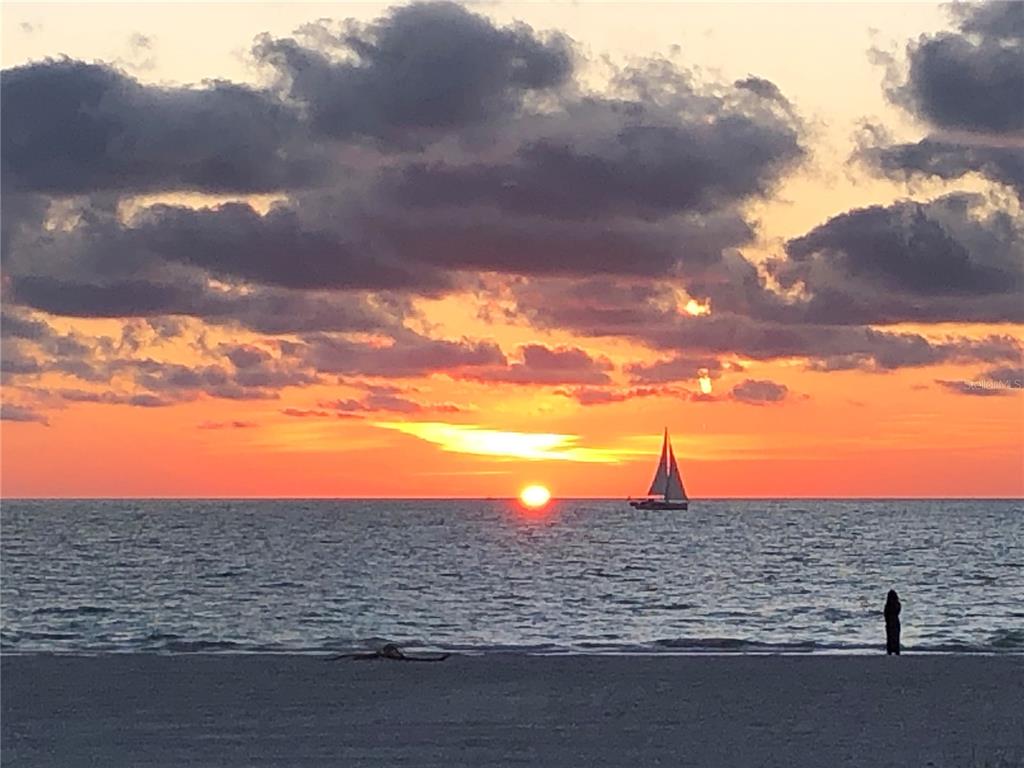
(535,496)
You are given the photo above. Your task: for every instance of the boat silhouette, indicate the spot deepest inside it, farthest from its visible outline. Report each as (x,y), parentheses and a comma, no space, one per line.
(666,491)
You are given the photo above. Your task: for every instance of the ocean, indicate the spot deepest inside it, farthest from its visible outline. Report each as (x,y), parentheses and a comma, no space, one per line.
(476,576)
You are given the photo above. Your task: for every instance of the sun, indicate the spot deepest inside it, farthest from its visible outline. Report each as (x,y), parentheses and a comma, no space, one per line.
(535,496)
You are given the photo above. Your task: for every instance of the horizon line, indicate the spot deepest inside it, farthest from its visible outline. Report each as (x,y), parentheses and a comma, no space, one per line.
(501,498)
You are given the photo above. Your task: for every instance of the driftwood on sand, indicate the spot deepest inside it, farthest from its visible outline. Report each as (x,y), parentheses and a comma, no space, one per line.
(392,652)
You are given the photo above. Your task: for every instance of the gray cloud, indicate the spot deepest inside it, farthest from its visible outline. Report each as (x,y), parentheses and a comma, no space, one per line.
(408,355)
(949,158)
(646,178)
(646,314)
(545,365)
(386,399)
(139,400)
(759,392)
(261,310)
(646,169)
(14,412)
(19,326)
(970,80)
(966,86)
(588,396)
(948,248)
(277,248)
(71,127)
(675,368)
(995,382)
(417,73)
(310,413)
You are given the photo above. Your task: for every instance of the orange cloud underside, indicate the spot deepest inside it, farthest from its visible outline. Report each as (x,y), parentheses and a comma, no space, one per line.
(839,434)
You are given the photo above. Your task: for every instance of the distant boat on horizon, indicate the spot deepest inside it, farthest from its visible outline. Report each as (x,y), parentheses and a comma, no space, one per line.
(666,491)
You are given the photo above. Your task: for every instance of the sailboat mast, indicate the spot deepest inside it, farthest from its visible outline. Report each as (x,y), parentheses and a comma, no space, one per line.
(664,460)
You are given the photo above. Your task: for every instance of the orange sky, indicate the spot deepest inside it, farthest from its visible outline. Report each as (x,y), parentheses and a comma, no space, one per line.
(846,433)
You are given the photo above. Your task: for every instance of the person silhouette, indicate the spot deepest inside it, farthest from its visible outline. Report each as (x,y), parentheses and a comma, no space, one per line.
(892,623)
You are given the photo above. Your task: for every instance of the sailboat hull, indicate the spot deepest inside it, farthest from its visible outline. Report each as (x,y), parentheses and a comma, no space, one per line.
(658,504)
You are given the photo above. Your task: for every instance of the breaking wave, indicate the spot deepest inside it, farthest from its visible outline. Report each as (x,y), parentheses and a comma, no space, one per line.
(1002,642)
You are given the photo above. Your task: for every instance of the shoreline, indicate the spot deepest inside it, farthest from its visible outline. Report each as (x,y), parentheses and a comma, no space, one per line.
(696,653)
(736,710)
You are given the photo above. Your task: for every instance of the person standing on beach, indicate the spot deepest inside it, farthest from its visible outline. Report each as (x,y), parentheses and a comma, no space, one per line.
(892,623)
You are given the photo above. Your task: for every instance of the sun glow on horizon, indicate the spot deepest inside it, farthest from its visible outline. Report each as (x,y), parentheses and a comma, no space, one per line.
(535,496)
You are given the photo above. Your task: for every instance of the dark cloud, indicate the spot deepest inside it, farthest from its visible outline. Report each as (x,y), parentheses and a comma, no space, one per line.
(644,169)
(31,347)
(966,86)
(71,127)
(971,80)
(234,372)
(487,240)
(14,412)
(140,400)
(949,158)
(417,73)
(246,356)
(604,396)
(386,399)
(260,381)
(277,248)
(995,382)
(766,89)
(404,174)
(544,365)
(160,264)
(944,248)
(1001,20)
(17,359)
(167,328)
(601,308)
(19,326)
(307,413)
(273,311)
(121,298)
(1009,377)
(759,392)
(647,178)
(408,355)
(256,368)
(675,368)
(228,425)
(974,388)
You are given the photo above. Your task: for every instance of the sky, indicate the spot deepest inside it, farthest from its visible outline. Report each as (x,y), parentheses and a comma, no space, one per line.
(443,250)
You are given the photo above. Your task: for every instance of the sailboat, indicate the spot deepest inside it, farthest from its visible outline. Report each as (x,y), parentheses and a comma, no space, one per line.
(666,491)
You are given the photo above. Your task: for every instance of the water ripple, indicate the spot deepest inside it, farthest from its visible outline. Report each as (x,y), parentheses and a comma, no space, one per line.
(470,576)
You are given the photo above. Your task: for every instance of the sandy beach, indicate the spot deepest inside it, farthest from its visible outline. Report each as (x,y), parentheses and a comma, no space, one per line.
(736,711)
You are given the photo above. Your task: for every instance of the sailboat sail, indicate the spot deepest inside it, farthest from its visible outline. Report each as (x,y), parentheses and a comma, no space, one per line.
(674,490)
(666,490)
(660,481)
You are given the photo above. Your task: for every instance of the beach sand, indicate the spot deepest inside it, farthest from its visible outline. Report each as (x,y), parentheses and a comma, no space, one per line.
(729,711)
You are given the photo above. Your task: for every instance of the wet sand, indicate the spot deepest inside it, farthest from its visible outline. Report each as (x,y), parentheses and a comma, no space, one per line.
(729,711)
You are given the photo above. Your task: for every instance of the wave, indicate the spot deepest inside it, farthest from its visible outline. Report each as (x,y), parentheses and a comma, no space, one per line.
(1001,642)
(1008,639)
(79,610)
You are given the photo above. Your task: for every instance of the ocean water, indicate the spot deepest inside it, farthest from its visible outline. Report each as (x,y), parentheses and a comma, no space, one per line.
(476,576)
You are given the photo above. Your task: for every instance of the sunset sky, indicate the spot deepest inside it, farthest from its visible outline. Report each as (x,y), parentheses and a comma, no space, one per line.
(449,250)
